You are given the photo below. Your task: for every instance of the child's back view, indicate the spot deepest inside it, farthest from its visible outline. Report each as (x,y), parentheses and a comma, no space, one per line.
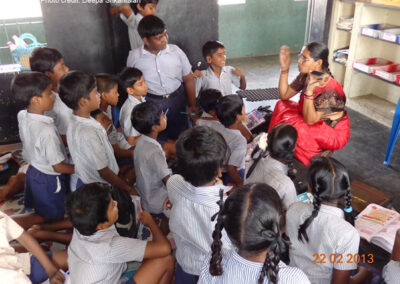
(194,193)
(208,101)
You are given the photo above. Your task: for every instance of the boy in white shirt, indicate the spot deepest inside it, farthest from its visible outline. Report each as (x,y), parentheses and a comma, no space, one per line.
(193,195)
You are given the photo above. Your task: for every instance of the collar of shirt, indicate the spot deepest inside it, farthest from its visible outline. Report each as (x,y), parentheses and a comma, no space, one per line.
(235,255)
(210,72)
(205,114)
(135,100)
(143,51)
(277,165)
(37,117)
(151,140)
(331,210)
(98,235)
(233,131)
(89,121)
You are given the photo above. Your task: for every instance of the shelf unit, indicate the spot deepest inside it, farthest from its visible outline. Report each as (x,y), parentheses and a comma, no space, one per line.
(375,98)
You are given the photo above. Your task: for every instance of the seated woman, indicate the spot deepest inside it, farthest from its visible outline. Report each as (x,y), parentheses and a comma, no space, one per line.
(319,117)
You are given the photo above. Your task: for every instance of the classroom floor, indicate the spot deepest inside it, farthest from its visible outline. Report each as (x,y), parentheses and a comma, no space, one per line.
(363,155)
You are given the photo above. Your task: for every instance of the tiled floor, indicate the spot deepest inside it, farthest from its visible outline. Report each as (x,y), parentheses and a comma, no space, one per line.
(365,151)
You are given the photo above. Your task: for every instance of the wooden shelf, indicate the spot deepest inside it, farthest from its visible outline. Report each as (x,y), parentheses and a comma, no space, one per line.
(343,30)
(379,78)
(379,39)
(377,5)
(343,64)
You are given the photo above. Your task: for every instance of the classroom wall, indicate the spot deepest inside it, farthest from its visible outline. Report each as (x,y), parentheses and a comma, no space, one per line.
(262,26)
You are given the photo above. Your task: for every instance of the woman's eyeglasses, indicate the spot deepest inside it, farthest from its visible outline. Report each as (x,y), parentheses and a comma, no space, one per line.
(303,58)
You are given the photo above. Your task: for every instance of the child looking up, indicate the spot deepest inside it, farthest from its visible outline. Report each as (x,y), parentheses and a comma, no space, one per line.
(98,254)
(251,216)
(322,227)
(231,112)
(131,16)
(50,62)
(46,180)
(274,164)
(168,74)
(194,193)
(134,85)
(218,76)
(87,139)
(152,171)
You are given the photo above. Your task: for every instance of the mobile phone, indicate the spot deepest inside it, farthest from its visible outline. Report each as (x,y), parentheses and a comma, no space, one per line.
(317,74)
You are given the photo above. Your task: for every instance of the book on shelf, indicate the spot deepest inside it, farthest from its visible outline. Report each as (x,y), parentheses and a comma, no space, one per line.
(378,225)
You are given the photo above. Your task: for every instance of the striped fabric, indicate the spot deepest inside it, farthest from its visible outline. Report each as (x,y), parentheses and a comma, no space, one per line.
(238,270)
(125,116)
(190,221)
(223,83)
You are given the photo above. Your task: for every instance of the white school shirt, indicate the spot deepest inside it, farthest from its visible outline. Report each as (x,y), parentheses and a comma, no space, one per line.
(116,137)
(391,272)
(61,114)
(132,22)
(150,168)
(13,266)
(163,72)
(329,233)
(190,221)
(237,269)
(223,83)
(42,146)
(101,258)
(237,147)
(214,124)
(274,173)
(90,149)
(125,116)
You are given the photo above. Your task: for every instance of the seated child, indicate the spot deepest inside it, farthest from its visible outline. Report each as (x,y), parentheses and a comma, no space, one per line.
(50,62)
(87,140)
(152,171)
(24,268)
(132,16)
(208,101)
(391,271)
(98,254)
(193,194)
(218,76)
(274,164)
(107,87)
(322,227)
(42,147)
(251,216)
(134,85)
(168,75)
(231,112)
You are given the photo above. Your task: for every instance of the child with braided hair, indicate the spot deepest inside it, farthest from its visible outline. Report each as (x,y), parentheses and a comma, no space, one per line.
(273,162)
(322,235)
(251,216)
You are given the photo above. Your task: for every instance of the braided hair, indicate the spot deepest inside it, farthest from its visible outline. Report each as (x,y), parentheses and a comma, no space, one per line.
(319,50)
(281,142)
(329,181)
(251,217)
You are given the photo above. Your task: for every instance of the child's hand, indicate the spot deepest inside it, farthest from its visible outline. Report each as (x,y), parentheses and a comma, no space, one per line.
(167,204)
(57,278)
(284,57)
(146,218)
(238,72)
(197,73)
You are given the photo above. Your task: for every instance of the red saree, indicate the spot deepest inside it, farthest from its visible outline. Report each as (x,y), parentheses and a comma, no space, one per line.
(323,135)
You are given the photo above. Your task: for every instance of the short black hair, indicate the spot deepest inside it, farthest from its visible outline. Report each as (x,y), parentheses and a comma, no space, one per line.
(43,59)
(145,115)
(27,85)
(227,109)
(142,3)
(210,47)
(208,99)
(129,76)
(95,113)
(150,26)
(75,85)
(105,82)
(200,153)
(87,207)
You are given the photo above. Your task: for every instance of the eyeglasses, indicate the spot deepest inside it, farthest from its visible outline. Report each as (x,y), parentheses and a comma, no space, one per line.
(303,58)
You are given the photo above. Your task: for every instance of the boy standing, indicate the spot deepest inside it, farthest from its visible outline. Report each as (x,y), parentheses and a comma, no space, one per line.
(132,16)
(98,254)
(152,171)
(88,143)
(218,76)
(168,75)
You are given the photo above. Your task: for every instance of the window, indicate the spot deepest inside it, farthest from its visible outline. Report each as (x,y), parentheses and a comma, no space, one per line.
(17,9)
(231,2)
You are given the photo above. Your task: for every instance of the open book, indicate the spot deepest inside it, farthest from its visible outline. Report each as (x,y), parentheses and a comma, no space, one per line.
(378,225)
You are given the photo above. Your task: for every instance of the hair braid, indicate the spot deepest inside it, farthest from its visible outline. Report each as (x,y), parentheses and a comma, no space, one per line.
(261,154)
(302,235)
(216,246)
(348,210)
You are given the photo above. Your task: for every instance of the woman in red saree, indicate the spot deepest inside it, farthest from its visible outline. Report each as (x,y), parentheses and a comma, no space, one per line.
(319,117)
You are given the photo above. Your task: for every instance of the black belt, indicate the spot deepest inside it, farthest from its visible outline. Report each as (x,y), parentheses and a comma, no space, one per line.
(164,97)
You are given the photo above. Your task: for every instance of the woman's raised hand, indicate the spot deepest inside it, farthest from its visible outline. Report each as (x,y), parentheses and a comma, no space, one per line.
(284,58)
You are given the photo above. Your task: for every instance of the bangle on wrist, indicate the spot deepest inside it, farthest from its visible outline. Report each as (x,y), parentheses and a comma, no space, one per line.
(285,71)
(309,97)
